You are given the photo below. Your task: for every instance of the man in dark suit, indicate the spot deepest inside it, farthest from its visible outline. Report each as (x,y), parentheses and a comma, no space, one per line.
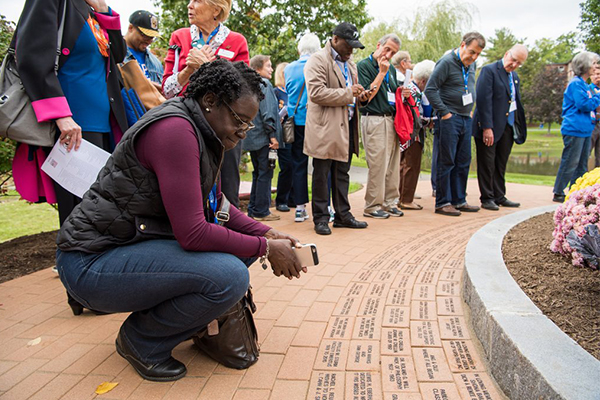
(499,122)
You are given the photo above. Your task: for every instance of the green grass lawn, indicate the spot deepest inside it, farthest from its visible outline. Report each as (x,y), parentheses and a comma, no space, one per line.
(19,218)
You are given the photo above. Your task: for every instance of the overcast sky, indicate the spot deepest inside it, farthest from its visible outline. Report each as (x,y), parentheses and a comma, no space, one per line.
(532,19)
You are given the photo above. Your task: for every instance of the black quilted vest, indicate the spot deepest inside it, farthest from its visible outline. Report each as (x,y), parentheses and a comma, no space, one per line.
(124,205)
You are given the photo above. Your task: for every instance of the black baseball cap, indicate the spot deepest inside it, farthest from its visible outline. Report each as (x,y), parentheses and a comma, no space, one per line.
(146,22)
(349,33)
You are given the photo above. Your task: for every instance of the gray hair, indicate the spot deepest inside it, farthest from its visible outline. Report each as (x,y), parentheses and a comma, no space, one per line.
(309,44)
(423,70)
(583,62)
(390,36)
(400,56)
(471,36)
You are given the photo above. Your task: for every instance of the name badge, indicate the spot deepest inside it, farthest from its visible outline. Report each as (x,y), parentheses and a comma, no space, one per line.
(513,106)
(225,53)
(391,98)
(593,115)
(467,99)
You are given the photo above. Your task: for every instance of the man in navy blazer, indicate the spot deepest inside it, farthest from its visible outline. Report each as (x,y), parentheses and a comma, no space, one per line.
(499,122)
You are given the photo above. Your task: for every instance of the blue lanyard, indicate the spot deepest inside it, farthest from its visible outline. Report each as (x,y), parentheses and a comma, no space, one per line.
(512,86)
(200,41)
(344,71)
(464,72)
(212,200)
(387,75)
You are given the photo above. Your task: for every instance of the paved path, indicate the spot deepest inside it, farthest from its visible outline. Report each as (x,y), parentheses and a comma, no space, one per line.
(380,318)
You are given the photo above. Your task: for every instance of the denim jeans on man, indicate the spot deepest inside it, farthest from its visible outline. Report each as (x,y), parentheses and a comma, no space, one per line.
(260,195)
(172,293)
(453,161)
(573,162)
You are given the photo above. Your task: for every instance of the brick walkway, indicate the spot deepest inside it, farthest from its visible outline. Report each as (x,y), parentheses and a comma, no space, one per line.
(380,318)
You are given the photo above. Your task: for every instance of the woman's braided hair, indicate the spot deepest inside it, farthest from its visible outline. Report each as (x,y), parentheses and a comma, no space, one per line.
(228,81)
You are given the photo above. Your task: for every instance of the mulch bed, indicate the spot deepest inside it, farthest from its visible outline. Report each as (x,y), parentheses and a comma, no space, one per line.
(27,254)
(568,295)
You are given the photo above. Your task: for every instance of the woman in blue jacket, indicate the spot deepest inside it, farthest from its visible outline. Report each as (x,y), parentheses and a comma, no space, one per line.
(578,113)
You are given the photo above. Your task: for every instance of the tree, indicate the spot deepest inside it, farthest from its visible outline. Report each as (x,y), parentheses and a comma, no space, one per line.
(544,97)
(590,24)
(271,27)
(497,46)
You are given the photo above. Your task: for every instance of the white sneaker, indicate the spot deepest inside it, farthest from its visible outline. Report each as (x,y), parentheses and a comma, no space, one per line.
(301,215)
(331,214)
(55,270)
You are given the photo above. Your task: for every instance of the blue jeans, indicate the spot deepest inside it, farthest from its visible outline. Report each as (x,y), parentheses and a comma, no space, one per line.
(453,161)
(300,167)
(171,293)
(573,162)
(262,175)
(286,173)
(434,153)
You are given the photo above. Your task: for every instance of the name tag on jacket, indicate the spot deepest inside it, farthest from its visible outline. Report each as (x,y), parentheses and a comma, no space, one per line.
(225,53)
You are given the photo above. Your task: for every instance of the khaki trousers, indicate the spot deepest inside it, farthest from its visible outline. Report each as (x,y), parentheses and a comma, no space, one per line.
(383,159)
(410,167)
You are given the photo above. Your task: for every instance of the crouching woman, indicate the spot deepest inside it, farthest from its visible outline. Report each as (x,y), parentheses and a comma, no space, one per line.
(143,240)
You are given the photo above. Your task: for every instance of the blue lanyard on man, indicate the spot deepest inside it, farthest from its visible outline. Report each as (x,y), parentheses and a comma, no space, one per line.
(464,72)
(200,41)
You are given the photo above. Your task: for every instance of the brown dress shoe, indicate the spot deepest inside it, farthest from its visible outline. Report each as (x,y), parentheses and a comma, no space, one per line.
(448,210)
(467,208)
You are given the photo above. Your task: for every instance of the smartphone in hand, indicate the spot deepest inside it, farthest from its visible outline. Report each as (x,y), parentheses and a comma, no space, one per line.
(307,255)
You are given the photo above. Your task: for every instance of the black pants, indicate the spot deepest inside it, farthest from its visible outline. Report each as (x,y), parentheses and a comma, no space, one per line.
(66,201)
(340,183)
(286,174)
(300,168)
(491,166)
(230,174)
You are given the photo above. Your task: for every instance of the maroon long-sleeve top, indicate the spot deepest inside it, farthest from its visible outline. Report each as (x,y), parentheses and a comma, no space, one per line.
(169,148)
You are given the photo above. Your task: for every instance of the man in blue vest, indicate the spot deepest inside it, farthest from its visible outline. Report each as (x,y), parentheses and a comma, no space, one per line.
(499,116)
(142,31)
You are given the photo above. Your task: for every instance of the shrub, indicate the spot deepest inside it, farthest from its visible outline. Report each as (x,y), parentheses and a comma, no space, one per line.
(580,210)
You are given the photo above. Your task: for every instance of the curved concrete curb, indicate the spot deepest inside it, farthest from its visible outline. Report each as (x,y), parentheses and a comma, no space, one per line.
(529,356)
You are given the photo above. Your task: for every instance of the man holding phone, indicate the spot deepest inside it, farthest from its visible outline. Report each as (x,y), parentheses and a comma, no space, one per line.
(377,125)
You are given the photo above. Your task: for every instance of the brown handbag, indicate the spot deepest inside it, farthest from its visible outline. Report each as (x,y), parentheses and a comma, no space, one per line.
(288,124)
(133,77)
(232,339)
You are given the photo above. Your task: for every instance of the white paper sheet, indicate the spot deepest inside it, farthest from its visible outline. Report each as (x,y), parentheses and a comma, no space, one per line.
(75,170)
(407,77)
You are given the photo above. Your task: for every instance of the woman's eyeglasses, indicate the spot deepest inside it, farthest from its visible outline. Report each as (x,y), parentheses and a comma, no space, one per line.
(242,126)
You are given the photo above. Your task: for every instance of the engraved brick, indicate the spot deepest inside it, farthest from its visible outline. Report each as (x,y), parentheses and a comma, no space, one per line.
(395,341)
(326,385)
(439,391)
(332,355)
(402,396)
(449,306)
(365,276)
(339,328)
(462,356)
(448,288)
(425,334)
(371,306)
(377,289)
(423,292)
(363,356)
(356,289)
(398,374)
(385,276)
(450,274)
(431,364)
(453,328)
(423,310)
(363,386)
(347,306)
(399,297)
(396,317)
(403,282)
(367,328)
(475,386)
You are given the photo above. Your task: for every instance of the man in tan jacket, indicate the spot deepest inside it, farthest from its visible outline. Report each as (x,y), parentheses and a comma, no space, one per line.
(331,134)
